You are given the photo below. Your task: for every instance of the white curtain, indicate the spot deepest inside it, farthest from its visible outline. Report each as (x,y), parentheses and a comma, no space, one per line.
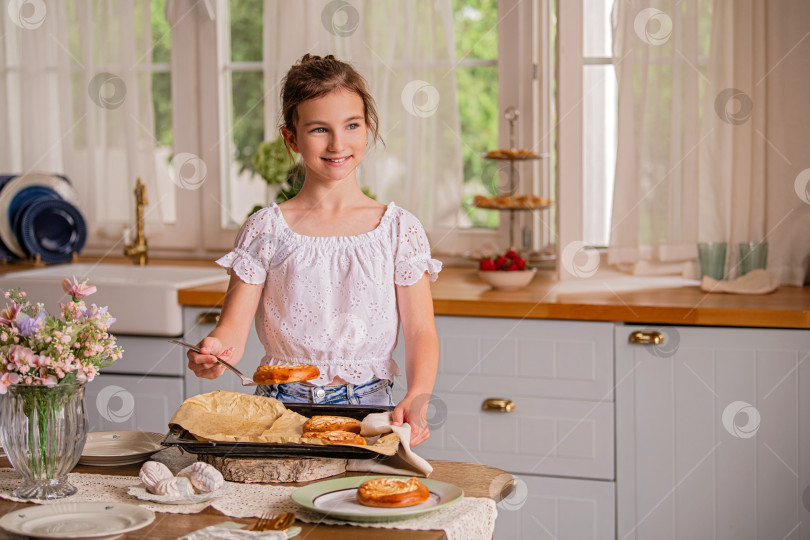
(757,148)
(75,99)
(658,48)
(711,145)
(405,50)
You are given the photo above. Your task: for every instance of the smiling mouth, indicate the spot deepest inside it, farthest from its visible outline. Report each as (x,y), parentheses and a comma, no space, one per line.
(336,160)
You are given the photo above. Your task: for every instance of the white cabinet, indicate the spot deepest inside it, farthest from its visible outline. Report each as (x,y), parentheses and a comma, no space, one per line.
(132,402)
(559,376)
(713,434)
(139,392)
(198,323)
(547,508)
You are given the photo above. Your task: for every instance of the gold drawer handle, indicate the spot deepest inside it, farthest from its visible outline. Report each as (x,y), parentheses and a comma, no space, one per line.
(498,405)
(209,317)
(646,337)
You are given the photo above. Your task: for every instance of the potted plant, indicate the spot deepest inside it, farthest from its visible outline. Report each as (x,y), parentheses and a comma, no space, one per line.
(275,164)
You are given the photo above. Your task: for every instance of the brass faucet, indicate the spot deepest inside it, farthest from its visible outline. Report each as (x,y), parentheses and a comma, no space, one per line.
(137,250)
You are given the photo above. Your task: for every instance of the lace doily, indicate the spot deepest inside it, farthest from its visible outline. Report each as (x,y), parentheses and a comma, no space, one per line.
(469,519)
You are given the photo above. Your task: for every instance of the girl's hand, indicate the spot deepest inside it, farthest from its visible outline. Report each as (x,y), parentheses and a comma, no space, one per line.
(413,410)
(204,365)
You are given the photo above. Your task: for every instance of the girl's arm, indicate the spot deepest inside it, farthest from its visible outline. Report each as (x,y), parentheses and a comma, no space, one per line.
(228,339)
(421,356)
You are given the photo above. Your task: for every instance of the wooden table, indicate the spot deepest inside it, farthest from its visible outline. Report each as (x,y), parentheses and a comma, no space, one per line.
(474,479)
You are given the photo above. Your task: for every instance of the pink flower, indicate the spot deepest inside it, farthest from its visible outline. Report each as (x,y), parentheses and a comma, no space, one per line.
(8,315)
(6,380)
(77,290)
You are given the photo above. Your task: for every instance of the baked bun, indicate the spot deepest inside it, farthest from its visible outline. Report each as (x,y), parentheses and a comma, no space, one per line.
(332,423)
(392,492)
(285,374)
(337,437)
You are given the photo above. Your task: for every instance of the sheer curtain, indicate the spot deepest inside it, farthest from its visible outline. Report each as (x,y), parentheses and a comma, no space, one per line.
(757,148)
(658,52)
(711,147)
(405,50)
(76,100)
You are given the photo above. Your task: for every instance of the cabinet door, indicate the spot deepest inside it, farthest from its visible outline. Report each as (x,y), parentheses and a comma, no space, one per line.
(198,323)
(559,376)
(713,434)
(132,402)
(542,508)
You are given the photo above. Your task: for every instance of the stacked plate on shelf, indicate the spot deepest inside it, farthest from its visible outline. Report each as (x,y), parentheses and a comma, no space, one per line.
(39,215)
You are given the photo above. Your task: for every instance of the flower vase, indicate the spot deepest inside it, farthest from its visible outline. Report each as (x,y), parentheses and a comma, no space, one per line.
(43,430)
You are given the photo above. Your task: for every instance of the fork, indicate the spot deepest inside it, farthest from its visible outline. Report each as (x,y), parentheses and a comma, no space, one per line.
(268,522)
(246,381)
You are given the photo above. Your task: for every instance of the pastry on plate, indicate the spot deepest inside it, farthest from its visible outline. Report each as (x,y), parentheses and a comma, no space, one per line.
(285,373)
(392,492)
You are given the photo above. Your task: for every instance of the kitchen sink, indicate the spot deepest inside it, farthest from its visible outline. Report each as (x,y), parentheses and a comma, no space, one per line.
(143,299)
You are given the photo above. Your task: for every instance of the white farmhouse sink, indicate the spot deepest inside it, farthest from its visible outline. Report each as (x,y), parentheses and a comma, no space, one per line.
(143,299)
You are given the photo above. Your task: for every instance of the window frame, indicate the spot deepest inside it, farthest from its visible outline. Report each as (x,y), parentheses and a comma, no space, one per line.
(523,82)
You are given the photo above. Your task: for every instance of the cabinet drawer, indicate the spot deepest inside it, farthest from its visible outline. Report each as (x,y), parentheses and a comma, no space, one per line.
(542,508)
(132,402)
(540,436)
(148,355)
(534,358)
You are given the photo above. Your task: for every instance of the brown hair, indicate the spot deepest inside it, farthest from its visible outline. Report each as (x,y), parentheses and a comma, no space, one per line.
(315,76)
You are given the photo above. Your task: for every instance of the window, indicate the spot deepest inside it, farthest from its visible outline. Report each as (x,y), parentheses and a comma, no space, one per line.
(245,122)
(599,121)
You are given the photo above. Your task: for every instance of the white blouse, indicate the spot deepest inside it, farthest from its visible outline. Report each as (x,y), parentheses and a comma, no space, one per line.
(331,301)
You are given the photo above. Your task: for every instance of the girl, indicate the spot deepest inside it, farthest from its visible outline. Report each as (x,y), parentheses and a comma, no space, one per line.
(330,273)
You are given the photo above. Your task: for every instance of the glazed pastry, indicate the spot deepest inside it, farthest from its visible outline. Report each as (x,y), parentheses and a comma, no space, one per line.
(285,374)
(392,492)
(338,437)
(332,423)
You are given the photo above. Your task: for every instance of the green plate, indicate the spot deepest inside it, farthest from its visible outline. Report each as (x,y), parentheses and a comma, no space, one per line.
(337,498)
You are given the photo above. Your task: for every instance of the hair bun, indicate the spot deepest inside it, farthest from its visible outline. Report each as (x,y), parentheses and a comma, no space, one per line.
(312,58)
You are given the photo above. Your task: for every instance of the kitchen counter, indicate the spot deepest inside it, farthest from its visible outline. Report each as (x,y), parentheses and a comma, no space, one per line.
(475,480)
(459,291)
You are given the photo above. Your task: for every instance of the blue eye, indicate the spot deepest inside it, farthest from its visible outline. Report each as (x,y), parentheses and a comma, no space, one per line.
(354,126)
(319,130)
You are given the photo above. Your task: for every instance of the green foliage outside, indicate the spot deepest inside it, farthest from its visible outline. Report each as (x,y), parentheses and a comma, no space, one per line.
(475,26)
(476,34)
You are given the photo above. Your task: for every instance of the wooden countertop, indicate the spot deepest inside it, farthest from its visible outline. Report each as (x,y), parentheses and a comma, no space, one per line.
(475,480)
(459,291)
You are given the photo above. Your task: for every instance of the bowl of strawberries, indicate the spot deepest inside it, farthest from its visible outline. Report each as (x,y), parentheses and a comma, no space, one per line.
(505,272)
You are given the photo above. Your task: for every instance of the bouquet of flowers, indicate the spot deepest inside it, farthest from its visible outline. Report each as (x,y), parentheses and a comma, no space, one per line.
(39,349)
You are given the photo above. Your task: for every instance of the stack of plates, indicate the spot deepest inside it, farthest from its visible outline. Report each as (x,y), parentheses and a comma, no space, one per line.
(38,215)
(113,448)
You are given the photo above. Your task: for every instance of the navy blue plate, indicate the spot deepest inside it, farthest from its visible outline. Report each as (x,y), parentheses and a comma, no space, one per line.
(54,228)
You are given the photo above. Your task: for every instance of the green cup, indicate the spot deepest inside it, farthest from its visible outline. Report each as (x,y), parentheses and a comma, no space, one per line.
(712,257)
(753,255)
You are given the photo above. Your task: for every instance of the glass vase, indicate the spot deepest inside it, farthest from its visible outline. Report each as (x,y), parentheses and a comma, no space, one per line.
(43,430)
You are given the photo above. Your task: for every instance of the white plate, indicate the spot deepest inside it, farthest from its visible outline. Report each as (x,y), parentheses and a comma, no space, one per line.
(337,498)
(113,448)
(141,493)
(77,521)
(13,187)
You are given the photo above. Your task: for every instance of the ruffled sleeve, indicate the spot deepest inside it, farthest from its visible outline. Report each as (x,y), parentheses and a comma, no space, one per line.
(412,257)
(253,247)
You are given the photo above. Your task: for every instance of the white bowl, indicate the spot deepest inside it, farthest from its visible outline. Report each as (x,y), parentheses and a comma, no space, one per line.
(506,280)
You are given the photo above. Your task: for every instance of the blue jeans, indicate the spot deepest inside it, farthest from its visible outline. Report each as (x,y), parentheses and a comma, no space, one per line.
(374,392)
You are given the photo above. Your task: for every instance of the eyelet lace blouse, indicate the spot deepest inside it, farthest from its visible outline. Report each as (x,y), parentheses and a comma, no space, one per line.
(331,301)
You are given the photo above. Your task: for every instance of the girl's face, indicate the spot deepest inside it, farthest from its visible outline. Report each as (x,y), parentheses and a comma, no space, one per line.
(331,135)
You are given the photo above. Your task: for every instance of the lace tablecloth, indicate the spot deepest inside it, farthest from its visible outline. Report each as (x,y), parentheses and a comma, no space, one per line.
(471,518)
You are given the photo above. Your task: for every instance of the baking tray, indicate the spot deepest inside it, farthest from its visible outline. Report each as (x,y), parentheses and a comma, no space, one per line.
(181,438)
